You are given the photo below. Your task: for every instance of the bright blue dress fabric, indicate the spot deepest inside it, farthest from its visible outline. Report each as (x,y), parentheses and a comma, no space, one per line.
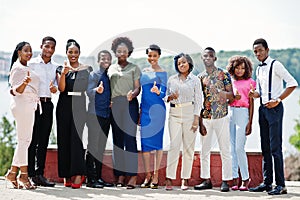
(153,110)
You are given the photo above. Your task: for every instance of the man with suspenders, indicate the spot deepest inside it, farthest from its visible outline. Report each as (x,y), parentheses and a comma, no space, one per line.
(270,75)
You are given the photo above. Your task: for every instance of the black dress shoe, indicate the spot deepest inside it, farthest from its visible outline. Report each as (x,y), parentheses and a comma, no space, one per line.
(204,185)
(278,190)
(262,187)
(94,184)
(40,180)
(105,184)
(224,186)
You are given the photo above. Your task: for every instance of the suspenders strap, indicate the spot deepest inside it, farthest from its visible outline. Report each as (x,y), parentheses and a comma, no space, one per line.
(270,82)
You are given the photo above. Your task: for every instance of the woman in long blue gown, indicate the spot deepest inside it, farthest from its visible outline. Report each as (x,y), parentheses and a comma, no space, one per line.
(153,113)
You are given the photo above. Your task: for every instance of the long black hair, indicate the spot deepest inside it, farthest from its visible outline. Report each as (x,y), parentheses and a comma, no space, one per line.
(15,53)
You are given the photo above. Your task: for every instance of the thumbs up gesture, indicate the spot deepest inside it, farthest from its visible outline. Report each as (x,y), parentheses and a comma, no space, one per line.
(52,87)
(155,89)
(252,92)
(237,95)
(66,68)
(100,88)
(27,78)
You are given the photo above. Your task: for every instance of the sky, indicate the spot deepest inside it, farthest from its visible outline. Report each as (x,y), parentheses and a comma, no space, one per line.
(221,24)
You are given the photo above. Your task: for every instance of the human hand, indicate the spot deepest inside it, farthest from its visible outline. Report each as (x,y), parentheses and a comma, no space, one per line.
(155,89)
(248,128)
(203,130)
(52,88)
(237,95)
(66,68)
(27,78)
(252,93)
(129,95)
(100,88)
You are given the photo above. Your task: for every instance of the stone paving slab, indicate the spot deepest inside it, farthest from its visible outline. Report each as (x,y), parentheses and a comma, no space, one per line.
(59,192)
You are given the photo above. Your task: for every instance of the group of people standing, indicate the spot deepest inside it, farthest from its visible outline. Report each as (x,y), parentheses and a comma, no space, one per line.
(217,101)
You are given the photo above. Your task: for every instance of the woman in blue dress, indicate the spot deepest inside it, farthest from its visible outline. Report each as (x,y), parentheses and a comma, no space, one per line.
(153,113)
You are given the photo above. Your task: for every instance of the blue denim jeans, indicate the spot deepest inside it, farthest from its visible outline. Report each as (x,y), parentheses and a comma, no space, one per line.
(270,122)
(239,118)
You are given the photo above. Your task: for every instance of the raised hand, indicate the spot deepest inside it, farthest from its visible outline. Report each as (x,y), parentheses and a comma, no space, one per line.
(237,95)
(155,89)
(100,88)
(52,88)
(27,78)
(252,93)
(66,68)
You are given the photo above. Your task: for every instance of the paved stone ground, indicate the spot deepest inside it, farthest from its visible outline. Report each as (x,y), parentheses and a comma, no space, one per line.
(61,193)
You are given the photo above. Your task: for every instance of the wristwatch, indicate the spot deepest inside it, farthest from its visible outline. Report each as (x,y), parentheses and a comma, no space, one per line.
(278,100)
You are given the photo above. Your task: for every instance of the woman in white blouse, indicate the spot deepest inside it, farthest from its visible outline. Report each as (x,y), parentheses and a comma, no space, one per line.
(25,100)
(185,97)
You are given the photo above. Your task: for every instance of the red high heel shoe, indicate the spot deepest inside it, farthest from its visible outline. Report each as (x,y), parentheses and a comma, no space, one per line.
(78,185)
(67,182)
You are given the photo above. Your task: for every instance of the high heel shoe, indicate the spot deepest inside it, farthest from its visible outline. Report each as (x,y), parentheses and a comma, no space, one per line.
(245,187)
(25,181)
(67,182)
(13,181)
(169,184)
(146,183)
(78,185)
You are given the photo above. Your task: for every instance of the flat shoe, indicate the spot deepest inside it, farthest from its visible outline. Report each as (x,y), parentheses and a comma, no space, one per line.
(120,185)
(169,187)
(235,187)
(130,187)
(184,187)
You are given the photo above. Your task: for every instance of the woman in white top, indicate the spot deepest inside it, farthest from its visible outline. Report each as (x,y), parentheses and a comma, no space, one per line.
(24,88)
(185,97)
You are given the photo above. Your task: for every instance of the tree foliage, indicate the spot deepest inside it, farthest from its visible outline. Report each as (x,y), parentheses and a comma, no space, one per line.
(7,144)
(295,139)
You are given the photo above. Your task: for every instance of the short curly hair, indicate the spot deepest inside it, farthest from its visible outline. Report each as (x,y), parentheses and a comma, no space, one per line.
(119,40)
(235,61)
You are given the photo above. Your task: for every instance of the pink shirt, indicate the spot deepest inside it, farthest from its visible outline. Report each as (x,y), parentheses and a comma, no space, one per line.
(243,87)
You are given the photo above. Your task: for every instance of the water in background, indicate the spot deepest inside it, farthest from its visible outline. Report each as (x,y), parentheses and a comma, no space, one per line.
(291,112)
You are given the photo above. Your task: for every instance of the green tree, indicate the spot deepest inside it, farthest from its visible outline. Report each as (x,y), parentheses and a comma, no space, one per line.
(7,144)
(295,139)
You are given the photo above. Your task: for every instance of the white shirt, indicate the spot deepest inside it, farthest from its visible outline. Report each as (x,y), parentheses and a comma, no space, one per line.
(279,74)
(189,90)
(46,72)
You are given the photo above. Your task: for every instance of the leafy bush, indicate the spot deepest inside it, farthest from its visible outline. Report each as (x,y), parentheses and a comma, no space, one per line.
(7,144)
(295,139)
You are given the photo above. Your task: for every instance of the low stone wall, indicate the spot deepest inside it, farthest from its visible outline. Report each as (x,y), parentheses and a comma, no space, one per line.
(254,160)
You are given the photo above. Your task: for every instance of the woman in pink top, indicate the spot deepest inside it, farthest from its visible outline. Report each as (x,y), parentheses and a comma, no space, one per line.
(24,88)
(241,114)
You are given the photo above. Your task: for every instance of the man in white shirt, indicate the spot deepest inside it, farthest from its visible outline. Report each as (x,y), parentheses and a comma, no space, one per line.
(46,70)
(270,76)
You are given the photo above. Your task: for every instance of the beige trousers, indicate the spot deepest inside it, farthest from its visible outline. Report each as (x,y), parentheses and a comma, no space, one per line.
(180,124)
(23,108)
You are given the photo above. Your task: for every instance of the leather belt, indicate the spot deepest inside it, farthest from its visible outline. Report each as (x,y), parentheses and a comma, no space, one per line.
(45,99)
(74,93)
(179,105)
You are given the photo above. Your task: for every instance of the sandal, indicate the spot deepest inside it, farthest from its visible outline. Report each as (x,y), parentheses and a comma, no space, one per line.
(154,185)
(146,183)
(169,184)
(13,181)
(25,181)
(130,187)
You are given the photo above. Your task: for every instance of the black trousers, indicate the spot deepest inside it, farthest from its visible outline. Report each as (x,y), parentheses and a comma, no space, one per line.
(70,119)
(98,130)
(37,150)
